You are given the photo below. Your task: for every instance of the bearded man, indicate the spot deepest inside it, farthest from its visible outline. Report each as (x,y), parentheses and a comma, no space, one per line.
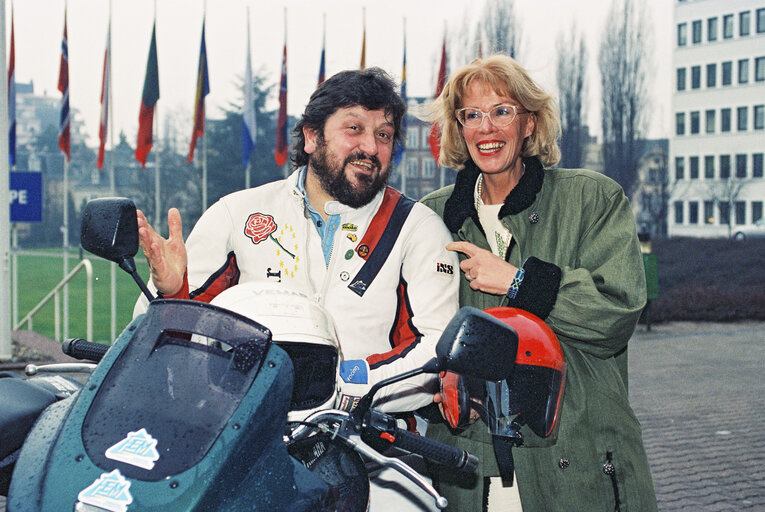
(334,231)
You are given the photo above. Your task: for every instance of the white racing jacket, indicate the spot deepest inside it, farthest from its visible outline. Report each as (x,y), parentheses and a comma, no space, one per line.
(390,285)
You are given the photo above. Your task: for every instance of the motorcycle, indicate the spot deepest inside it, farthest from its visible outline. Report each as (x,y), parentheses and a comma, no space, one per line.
(188,410)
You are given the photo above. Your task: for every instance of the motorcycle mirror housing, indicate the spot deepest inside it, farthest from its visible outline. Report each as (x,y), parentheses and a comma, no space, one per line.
(476,344)
(110,230)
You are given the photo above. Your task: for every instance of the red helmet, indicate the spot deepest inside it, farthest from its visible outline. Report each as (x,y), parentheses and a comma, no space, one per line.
(535,389)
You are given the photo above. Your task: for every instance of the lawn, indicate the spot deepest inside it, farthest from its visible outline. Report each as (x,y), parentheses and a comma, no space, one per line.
(40,271)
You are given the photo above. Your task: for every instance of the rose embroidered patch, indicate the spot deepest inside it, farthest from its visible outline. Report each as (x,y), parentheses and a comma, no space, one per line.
(259,226)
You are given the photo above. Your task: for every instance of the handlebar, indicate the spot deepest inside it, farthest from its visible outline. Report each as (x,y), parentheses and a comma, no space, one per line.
(82,349)
(438,452)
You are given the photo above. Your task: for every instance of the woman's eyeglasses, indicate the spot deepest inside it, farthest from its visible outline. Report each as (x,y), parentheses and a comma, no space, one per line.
(501,115)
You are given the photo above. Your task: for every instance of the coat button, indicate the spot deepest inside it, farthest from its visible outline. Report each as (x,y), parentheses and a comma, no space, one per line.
(563,463)
(609,469)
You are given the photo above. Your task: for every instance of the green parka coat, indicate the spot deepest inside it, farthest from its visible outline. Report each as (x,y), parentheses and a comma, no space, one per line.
(576,233)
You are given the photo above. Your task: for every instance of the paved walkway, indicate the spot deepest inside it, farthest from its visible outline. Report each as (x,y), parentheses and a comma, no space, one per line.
(699,392)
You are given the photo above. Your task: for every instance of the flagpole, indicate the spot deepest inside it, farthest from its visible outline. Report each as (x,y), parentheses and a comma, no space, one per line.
(204,116)
(5,219)
(66,209)
(112,184)
(157,212)
(244,110)
(403,160)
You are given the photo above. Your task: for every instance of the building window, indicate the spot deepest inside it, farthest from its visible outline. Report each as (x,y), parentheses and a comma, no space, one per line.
(695,77)
(413,138)
(709,213)
(411,167)
(709,167)
(694,167)
(728,26)
(740,207)
(756,211)
(743,71)
(680,79)
(743,120)
(428,168)
(693,212)
(710,121)
(712,29)
(724,119)
(727,73)
(680,123)
(760,21)
(682,34)
(759,69)
(678,212)
(724,208)
(757,165)
(695,118)
(711,75)
(744,20)
(679,168)
(759,117)
(697,32)
(724,167)
(740,166)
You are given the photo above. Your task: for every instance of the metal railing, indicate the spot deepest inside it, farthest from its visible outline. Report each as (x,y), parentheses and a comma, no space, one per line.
(55,295)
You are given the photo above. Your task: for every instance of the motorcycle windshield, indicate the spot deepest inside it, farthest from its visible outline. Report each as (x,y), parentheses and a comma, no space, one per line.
(180,378)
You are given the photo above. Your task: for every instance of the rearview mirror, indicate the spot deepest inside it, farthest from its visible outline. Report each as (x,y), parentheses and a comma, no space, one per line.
(110,230)
(475,343)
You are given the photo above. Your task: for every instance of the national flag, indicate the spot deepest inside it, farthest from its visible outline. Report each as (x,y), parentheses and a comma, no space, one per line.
(12,99)
(64,139)
(322,69)
(203,89)
(149,99)
(364,45)
(400,149)
(434,139)
(105,86)
(280,154)
(249,130)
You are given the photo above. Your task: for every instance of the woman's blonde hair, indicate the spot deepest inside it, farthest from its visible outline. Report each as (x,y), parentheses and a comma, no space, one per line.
(507,78)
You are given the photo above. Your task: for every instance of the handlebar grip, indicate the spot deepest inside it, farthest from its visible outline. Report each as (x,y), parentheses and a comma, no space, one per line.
(82,349)
(435,451)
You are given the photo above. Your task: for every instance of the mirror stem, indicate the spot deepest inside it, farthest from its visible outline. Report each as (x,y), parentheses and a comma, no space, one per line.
(366,401)
(128,265)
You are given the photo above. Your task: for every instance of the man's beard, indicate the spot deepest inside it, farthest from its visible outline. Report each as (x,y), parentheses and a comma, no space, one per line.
(336,184)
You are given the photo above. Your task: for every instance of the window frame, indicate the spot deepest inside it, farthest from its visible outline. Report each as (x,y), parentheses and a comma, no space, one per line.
(744,23)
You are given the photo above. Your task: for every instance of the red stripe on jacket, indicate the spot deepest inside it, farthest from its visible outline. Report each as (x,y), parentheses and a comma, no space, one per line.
(379,221)
(403,336)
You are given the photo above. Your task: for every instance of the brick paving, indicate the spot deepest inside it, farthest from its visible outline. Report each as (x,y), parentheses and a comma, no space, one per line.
(699,392)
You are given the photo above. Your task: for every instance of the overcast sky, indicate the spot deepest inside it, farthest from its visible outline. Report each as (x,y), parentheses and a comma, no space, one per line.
(39,27)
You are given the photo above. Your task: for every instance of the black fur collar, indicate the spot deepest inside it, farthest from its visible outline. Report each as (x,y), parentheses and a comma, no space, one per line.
(461,205)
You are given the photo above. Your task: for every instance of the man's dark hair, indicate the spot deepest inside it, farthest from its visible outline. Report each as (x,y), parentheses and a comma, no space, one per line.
(371,88)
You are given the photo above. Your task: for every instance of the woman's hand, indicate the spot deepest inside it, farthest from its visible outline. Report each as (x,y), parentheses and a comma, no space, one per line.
(166,256)
(484,270)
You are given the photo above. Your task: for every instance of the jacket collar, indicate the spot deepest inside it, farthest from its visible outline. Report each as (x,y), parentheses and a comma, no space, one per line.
(461,204)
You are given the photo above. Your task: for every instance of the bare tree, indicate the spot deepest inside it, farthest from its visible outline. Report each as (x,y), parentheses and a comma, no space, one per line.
(724,193)
(464,42)
(623,63)
(502,28)
(572,82)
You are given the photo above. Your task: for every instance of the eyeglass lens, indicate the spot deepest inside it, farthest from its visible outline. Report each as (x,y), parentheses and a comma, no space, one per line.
(501,115)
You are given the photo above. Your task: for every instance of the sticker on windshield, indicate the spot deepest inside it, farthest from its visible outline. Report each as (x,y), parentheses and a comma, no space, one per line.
(137,449)
(111,491)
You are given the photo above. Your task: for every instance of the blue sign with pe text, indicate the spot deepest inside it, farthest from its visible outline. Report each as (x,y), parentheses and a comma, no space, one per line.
(26,196)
